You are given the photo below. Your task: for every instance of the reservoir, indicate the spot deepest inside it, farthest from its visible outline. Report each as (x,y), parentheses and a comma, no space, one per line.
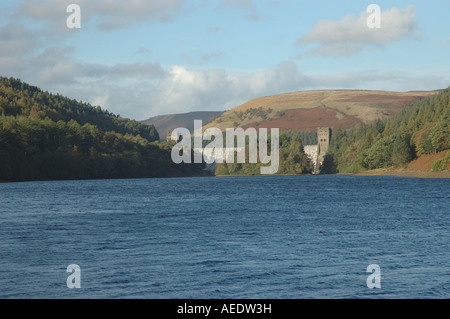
(290,237)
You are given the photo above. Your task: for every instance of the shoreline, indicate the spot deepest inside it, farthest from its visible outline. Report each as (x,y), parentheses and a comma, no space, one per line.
(379,172)
(402,173)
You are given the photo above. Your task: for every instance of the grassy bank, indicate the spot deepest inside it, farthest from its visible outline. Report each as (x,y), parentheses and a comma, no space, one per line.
(403,173)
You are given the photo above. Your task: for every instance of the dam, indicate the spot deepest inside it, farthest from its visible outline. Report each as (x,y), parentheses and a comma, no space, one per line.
(316,153)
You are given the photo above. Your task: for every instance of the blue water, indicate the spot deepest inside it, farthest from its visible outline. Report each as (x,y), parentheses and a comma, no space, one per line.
(285,237)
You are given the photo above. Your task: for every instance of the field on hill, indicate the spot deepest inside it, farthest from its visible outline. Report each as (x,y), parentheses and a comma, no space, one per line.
(305,111)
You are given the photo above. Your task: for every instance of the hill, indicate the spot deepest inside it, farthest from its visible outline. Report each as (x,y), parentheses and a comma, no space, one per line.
(421,167)
(305,111)
(416,139)
(47,136)
(167,123)
(21,99)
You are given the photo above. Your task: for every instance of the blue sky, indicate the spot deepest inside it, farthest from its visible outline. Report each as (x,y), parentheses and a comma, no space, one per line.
(144,58)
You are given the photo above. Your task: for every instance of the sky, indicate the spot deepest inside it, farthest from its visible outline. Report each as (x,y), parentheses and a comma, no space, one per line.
(143,58)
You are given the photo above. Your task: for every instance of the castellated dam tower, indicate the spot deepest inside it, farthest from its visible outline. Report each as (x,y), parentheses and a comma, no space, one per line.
(323,139)
(317,152)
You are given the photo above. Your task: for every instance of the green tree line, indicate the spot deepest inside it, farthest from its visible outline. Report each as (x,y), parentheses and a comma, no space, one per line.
(45,136)
(422,128)
(18,98)
(292,160)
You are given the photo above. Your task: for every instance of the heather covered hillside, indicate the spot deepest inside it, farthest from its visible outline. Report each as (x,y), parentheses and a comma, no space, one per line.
(422,129)
(307,110)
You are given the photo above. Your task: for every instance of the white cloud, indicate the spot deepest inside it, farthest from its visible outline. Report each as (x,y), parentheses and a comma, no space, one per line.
(16,39)
(216,89)
(351,34)
(141,90)
(108,14)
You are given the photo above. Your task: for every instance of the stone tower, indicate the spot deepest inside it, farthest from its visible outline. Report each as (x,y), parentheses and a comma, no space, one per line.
(323,141)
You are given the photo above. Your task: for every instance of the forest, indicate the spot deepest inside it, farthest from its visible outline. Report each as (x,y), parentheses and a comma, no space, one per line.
(46,136)
(423,128)
(293,160)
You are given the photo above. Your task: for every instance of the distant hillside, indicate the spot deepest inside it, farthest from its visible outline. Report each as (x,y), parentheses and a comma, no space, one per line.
(45,136)
(167,123)
(305,111)
(18,98)
(415,139)
(418,132)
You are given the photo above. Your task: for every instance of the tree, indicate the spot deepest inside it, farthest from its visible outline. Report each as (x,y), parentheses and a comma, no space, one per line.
(328,165)
(401,152)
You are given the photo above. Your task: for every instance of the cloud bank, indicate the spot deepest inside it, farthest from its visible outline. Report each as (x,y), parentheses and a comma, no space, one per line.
(145,89)
(106,14)
(351,34)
